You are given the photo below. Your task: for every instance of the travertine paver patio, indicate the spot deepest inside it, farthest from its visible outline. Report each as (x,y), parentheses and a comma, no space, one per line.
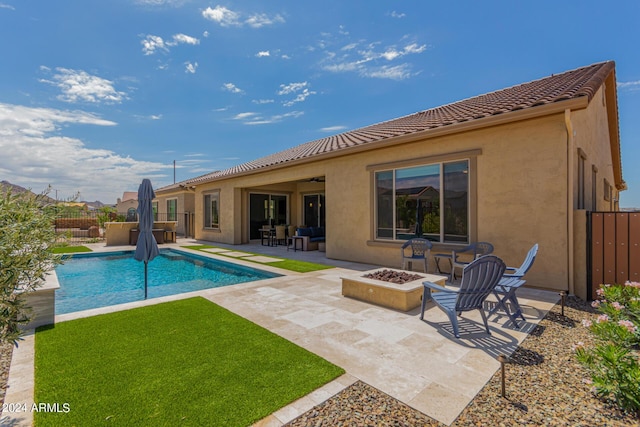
(417,362)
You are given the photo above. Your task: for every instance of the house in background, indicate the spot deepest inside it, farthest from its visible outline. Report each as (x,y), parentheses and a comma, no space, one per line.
(127,205)
(513,167)
(176,202)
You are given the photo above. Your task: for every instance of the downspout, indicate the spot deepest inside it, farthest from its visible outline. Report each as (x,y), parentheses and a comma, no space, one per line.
(571,153)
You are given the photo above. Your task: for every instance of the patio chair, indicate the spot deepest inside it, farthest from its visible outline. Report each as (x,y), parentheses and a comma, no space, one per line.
(472,252)
(506,289)
(281,235)
(420,251)
(479,278)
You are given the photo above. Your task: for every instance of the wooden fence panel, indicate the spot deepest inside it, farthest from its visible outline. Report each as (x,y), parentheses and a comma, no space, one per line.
(609,244)
(614,248)
(597,251)
(634,246)
(622,248)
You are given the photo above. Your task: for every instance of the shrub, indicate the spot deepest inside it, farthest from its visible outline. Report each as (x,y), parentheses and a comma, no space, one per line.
(613,362)
(26,236)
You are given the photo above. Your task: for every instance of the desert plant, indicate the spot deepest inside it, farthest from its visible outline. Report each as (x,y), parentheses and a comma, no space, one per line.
(613,362)
(26,236)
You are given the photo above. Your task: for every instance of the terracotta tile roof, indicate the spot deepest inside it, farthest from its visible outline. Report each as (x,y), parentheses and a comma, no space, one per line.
(581,82)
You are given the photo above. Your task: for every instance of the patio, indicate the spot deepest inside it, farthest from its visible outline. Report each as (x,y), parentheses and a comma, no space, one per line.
(419,363)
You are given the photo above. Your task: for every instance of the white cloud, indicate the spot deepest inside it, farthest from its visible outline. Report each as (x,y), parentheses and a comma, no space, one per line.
(6,6)
(263,54)
(333,129)
(244,116)
(36,153)
(398,72)
(184,39)
(300,97)
(152,43)
(274,119)
(291,88)
(342,55)
(395,14)
(221,15)
(80,86)
(629,86)
(205,34)
(263,101)
(261,20)
(230,87)
(190,67)
(228,18)
(155,116)
(300,89)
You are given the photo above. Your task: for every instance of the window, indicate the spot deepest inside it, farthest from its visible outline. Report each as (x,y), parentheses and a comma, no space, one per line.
(212,210)
(154,206)
(607,190)
(581,160)
(172,210)
(594,187)
(428,200)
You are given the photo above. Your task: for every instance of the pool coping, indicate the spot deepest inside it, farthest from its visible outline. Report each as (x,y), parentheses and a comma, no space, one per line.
(21,383)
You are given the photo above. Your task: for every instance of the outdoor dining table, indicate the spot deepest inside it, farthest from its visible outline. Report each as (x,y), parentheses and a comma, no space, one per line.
(268,235)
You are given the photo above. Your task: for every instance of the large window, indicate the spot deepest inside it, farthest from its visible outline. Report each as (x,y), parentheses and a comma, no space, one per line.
(431,201)
(212,210)
(172,210)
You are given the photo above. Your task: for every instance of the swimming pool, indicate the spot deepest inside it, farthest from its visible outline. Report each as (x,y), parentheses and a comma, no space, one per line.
(99,280)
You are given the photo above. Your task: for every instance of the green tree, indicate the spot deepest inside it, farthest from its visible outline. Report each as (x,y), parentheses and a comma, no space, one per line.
(26,236)
(105,214)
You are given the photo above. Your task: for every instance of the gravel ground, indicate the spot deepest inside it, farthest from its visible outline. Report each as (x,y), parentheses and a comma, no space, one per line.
(545,386)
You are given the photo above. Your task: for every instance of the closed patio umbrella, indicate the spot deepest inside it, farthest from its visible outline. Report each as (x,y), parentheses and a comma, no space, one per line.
(147,247)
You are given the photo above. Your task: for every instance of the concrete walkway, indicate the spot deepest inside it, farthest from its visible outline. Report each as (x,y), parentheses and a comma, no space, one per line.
(418,362)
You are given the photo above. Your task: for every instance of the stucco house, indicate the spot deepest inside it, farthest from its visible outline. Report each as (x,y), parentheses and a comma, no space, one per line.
(176,202)
(127,205)
(513,167)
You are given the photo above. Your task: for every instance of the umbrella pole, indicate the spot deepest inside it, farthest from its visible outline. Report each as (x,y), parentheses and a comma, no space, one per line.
(145,280)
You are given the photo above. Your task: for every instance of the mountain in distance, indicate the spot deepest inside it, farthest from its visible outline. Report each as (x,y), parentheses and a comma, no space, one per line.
(16,189)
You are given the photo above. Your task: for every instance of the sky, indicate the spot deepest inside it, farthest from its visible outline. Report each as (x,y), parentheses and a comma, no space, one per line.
(97,95)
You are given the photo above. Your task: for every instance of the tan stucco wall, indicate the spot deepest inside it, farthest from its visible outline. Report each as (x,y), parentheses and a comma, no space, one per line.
(185,204)
(592,137)
(519,192)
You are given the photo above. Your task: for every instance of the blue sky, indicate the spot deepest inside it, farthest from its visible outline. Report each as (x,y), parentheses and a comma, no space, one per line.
(95,96)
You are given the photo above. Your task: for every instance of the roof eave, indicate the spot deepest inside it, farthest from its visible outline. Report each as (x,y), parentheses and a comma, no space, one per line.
(614,130)
(495,120)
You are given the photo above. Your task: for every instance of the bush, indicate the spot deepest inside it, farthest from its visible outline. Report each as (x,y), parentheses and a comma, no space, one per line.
(613,362)
(26,236)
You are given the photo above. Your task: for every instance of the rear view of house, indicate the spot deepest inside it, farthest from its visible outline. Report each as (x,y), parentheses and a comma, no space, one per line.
(514,167)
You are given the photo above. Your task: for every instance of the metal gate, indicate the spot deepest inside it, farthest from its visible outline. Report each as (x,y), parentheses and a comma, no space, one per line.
(613,248)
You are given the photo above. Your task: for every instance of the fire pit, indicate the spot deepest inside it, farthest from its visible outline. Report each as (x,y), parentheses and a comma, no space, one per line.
(397,289)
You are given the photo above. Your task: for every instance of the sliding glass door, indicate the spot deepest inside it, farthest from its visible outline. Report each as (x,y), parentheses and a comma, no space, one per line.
(314,210)
(266,209)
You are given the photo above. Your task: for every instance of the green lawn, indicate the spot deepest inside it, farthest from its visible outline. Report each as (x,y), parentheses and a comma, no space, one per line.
(70,249)
(284,263)
(187,362)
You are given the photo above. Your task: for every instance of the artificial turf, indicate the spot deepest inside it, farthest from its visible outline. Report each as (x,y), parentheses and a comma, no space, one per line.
(284,263)
(186,362)
(70,249)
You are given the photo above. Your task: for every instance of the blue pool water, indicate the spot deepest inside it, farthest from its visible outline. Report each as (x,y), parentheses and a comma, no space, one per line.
(99,280)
